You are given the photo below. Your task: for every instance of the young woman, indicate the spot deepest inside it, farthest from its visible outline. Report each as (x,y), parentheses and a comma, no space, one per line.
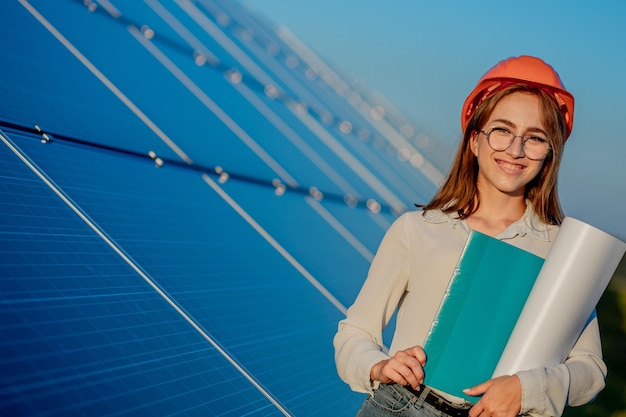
(503,183)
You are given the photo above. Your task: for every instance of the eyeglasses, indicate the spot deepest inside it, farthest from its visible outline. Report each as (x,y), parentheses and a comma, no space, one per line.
(535,147)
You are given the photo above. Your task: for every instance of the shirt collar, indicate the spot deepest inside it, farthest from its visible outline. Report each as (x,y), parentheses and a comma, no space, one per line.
(528,224)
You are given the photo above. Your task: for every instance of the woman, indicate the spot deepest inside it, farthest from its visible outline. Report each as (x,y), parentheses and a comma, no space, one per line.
(503,183)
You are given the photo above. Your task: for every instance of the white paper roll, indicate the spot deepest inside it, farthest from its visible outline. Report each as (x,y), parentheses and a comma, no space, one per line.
(576,272)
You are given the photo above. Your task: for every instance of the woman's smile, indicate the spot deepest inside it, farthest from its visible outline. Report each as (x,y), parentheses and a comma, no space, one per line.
(510,167)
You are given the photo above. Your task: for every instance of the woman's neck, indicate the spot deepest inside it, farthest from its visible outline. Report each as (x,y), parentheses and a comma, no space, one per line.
(494,215)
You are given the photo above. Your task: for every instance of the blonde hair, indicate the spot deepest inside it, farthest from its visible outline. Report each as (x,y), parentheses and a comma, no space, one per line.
(459,192)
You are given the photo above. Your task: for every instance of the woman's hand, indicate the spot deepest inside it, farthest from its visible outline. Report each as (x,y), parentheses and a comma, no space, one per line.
(404,368)
(502,397)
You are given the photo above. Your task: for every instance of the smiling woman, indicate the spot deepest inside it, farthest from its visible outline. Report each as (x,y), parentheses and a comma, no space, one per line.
(502,187)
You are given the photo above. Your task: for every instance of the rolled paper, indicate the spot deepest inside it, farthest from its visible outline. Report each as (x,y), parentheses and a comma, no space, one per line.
(574,276)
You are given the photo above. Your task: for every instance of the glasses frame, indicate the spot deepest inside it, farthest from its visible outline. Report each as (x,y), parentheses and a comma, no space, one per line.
(524,138)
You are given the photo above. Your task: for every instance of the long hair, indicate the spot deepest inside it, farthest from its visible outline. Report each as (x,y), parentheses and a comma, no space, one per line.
(459,192)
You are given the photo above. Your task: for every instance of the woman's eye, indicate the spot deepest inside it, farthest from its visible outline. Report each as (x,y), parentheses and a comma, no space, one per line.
(536,139)
(501,131)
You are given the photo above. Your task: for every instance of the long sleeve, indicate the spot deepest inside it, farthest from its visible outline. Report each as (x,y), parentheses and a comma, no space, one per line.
(546,391)
(358,342)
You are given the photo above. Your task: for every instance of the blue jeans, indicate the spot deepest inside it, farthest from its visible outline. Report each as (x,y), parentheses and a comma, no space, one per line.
(395,400)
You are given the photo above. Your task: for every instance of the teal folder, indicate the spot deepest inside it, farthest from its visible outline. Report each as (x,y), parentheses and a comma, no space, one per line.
(484,299)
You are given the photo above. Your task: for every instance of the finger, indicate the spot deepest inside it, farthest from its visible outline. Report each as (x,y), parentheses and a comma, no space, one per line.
(478,389)
(418,353)
(406,358)
(403,371)
(476,410)
(417,375)
(393,375)
(411,369)
(414,376)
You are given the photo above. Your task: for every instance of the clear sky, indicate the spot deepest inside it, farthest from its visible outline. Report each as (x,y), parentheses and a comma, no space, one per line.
(426,56)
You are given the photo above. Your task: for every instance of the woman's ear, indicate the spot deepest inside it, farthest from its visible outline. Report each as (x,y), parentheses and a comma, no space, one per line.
(474,143)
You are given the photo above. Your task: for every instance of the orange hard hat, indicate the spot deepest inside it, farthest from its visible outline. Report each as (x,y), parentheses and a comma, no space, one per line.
(525,70)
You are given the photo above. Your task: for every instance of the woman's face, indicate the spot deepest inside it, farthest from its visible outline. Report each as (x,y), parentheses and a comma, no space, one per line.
(509,171)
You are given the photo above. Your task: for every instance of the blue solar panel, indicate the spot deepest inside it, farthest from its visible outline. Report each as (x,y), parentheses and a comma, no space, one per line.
(176,238)
(82,333)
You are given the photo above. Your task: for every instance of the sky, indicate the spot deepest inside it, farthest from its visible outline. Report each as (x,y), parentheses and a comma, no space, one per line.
(426,56)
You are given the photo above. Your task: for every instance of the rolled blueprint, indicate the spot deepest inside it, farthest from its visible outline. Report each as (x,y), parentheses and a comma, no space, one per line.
(576,272)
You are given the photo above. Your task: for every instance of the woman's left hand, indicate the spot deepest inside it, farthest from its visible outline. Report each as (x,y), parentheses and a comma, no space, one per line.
(502,397)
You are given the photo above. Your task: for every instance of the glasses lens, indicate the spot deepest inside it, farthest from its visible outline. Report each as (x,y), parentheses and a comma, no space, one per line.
(500,139)
(536,147)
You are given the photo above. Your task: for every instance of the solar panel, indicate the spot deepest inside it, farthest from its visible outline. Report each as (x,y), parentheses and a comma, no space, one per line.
(186,213)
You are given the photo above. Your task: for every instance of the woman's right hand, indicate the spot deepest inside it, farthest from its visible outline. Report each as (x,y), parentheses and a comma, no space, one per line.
(405,367)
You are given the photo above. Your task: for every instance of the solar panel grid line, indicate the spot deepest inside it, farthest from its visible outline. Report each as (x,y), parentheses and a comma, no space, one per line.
(346,157)
(415,156)
(332,79)
(118,93)
(190,390)
(383,223)
(200,53)
(182,31)
(349,159)
(214,108)
(297,140)
(275,244)
(54,386)
(216,33)
(296,236)
(139,270)
(371,171)
(106,5)
(340,228)
(284,76)
(287,74)
(60,376)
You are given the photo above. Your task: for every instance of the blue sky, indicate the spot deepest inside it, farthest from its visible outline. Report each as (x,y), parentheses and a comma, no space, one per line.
(426,56)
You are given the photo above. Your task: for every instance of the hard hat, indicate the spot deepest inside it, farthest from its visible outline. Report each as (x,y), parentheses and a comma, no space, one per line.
(526,70)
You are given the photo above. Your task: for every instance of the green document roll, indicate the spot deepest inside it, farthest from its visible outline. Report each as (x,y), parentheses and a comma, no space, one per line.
(484,299)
